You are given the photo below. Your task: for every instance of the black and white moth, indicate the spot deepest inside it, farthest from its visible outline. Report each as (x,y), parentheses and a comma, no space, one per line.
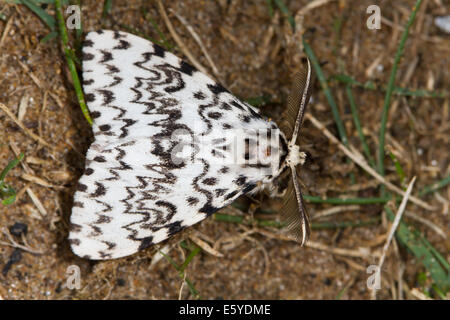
(172,147)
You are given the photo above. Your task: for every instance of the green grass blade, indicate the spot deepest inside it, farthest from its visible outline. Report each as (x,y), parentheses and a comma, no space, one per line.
(334,109)
(345,224)
(7,193)
(313,199)
(49,36)
(10,165)
(276,224)
(165,43)
(258,102)
(180,270)
(189,258)
(107,5)
(358,127)
(140,33)
(40,2)
(432,260)
(399,91)
(398,168)
(390,90)
(9,199)
(323,83)
(70,62)
(280,4)
(270,7)
(41,13)
(435,186)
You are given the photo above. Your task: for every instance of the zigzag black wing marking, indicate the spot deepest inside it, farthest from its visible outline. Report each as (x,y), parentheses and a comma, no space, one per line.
(133,193)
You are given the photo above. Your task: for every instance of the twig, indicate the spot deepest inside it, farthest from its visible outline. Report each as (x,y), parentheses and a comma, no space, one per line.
(14,244)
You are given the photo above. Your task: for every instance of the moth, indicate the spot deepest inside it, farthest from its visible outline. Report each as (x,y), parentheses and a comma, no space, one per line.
(172,147)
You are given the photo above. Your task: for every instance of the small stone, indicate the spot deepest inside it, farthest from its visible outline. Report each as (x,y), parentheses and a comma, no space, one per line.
(443,23)
(15,257)
(18,229)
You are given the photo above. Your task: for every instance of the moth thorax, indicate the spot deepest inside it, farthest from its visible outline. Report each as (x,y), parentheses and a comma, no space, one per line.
(295,156)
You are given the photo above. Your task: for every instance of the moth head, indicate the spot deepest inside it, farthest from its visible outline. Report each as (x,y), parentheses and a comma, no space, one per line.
(295,156)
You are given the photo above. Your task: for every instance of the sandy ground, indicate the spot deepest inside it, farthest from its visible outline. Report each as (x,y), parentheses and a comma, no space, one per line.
(251,52)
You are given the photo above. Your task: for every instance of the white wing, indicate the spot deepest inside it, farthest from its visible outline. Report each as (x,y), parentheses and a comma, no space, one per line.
(145,101)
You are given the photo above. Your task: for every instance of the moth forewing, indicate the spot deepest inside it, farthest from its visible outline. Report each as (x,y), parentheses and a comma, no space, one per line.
(294,213)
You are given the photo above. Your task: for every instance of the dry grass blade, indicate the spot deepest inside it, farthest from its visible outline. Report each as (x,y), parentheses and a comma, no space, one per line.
(205,246)
(23,106)
(6,30)
(37,202)
(359,160)
(38,83)
(199,42)
(334,210)
(25,129)
(361,252)
(16,151)
(178,40)
(394,226)
(312,5)
(419,295)
(159,255)
(427,223)
(37,180)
